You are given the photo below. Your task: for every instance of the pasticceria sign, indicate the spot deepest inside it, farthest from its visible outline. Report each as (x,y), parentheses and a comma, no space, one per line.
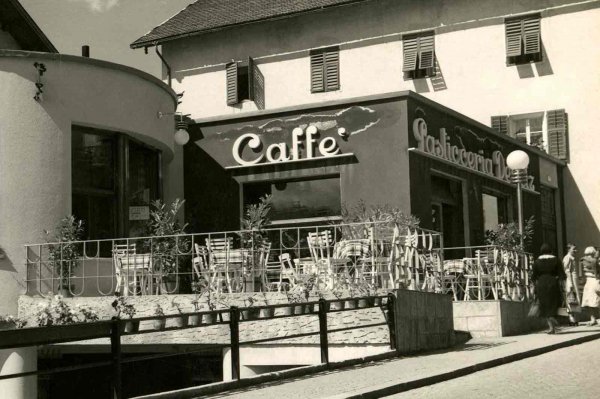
(444,149)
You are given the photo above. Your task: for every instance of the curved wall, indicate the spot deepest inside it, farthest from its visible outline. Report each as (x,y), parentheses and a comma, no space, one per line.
(35,141)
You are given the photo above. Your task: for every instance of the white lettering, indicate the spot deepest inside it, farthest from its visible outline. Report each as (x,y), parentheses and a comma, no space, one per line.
(328,150)
(238,147)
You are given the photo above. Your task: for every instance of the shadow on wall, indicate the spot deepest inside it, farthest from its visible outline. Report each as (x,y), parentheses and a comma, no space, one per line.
(581,228)
(543,68)
(6,265)
(438,82)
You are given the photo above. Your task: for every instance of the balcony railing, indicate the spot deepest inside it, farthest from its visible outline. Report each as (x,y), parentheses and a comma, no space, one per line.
(358,257)
(487,272)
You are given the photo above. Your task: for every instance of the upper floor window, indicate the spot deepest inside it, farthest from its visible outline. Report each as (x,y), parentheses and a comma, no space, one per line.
(325,70)
(419,55)
(245,82)
(523,40)
(545,130)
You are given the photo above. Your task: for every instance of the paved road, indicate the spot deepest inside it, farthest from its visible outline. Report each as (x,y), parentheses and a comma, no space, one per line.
(572,372)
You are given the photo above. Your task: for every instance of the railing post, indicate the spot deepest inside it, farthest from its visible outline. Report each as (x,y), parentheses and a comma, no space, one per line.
(234,327)
(115,350)
(323,339)
(391,308)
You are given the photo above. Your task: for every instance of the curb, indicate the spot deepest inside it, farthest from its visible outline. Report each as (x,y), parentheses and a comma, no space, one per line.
(386,390)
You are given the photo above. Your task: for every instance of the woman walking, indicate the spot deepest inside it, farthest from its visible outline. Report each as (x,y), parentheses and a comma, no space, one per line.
(547,270)
(572,297)
(591,290)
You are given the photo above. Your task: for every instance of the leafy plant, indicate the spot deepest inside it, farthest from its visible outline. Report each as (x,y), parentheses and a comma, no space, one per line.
(158,310)
(63,253)
(175,305)
(165,228)
(17,322)
(56,312)
(121,306)
(305,285)
(256,217)
(506,235)
(360,212)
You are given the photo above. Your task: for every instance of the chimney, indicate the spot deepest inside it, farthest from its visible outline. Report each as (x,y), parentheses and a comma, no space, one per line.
(85,51)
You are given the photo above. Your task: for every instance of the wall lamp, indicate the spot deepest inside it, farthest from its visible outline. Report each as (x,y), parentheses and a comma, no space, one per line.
(181,126)
(39,93)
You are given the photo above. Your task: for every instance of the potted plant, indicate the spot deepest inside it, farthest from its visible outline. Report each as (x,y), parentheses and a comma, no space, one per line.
(267,313)
(182,320)
(122,307)
(256,217)
(63,253)
(10,322)
(338,294)
(167,245)
(160,322)
(194,319)
(250,314)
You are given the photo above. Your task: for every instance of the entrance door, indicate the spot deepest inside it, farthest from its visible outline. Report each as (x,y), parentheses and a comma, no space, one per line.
(447,214)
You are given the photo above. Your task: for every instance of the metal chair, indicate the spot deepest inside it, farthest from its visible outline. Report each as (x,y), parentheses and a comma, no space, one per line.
(128,264)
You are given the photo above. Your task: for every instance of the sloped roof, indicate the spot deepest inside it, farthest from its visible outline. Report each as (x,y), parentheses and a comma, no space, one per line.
(207,15)
(15,19)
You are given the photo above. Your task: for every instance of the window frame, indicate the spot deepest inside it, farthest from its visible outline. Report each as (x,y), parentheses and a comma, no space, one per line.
(325,70)
(419,57)
(523,39)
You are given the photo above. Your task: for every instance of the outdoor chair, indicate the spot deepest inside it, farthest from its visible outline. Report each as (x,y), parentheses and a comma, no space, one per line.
(132,270)
(200,262)
(320,245)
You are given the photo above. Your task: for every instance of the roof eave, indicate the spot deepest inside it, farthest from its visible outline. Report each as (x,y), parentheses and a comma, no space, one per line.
(34,27)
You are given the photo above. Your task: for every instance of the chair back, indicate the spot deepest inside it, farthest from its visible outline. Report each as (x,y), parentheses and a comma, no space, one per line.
(219,244)
(319,245)
(122,251)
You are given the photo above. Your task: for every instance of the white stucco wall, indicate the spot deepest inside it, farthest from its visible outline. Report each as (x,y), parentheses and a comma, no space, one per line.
(35,141)
(470,49)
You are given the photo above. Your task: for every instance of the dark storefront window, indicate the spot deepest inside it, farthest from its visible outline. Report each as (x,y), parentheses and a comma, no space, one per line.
(548,216)
(494,210)
(447,213)
(106,185)
(298,199)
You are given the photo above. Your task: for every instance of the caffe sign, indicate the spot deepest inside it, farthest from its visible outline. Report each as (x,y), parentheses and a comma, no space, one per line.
(280,152)
(443,148)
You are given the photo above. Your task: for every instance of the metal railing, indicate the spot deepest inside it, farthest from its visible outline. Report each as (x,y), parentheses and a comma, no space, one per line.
(343,256)
(116,329)
(487,272)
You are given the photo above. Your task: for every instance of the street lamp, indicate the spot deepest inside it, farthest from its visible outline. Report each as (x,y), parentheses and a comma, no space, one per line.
(518,161)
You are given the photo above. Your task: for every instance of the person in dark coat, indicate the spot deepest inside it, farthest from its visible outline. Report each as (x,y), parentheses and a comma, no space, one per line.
(547,271)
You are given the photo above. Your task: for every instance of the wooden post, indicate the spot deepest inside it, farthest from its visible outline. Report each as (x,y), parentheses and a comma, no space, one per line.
(234,327)
(115,350)
(391,308)
(323,331)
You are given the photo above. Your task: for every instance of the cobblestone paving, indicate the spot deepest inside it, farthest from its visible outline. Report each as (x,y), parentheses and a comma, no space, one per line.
(365,378)
(571,372)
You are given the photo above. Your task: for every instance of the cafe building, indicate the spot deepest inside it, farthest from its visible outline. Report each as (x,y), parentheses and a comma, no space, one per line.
(398,149)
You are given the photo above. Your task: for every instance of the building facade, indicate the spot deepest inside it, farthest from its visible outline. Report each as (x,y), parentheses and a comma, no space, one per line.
(509,66)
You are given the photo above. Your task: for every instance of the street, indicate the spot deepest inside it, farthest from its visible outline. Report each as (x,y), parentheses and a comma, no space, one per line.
(568,372)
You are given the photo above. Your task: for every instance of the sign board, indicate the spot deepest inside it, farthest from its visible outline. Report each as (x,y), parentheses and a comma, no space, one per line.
(139,212)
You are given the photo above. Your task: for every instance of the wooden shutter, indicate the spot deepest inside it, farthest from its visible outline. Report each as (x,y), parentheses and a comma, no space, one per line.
(513,37)
(500,124)
(557,133)
(410,46)
(257,82)
(531,35)
(317,72)
(232,83)
(332,69)
(426,51)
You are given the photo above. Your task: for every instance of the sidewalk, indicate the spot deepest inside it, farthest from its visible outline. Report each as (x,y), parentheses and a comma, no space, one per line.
(386,377)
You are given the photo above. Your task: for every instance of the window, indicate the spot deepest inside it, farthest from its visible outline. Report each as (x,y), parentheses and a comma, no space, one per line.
(295,200)
(494,210)
(419,55)
(523,40)
(245,82)
(547,131)
(112,192)
(548,205)
(325,70)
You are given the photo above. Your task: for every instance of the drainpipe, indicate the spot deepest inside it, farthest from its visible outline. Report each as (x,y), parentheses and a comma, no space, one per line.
(164,63)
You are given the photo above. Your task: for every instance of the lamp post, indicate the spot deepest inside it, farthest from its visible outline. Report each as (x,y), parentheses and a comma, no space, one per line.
(518,161)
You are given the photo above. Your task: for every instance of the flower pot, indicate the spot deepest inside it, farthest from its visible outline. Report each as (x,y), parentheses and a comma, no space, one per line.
(131,326)
(267,313)
(337,305)
(181,321)
(376,301)
(364,302)
(159,324)
(65,291)
(299,309)
(287,311)
(224,316)
(350,304)
(194,320)
(169,284)
(210,318)
(249,314)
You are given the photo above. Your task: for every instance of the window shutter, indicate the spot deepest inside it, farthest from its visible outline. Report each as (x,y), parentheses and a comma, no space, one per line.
(232,83)
(557,133)
(500,124)
(513,38)
(531,35)
(317,73)
(258,85)
(410,47)
(426,51)
(332,70)
(250,79)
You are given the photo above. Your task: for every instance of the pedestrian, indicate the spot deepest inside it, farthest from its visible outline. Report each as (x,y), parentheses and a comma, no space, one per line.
(547,270)
(572,297)
(591,290)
